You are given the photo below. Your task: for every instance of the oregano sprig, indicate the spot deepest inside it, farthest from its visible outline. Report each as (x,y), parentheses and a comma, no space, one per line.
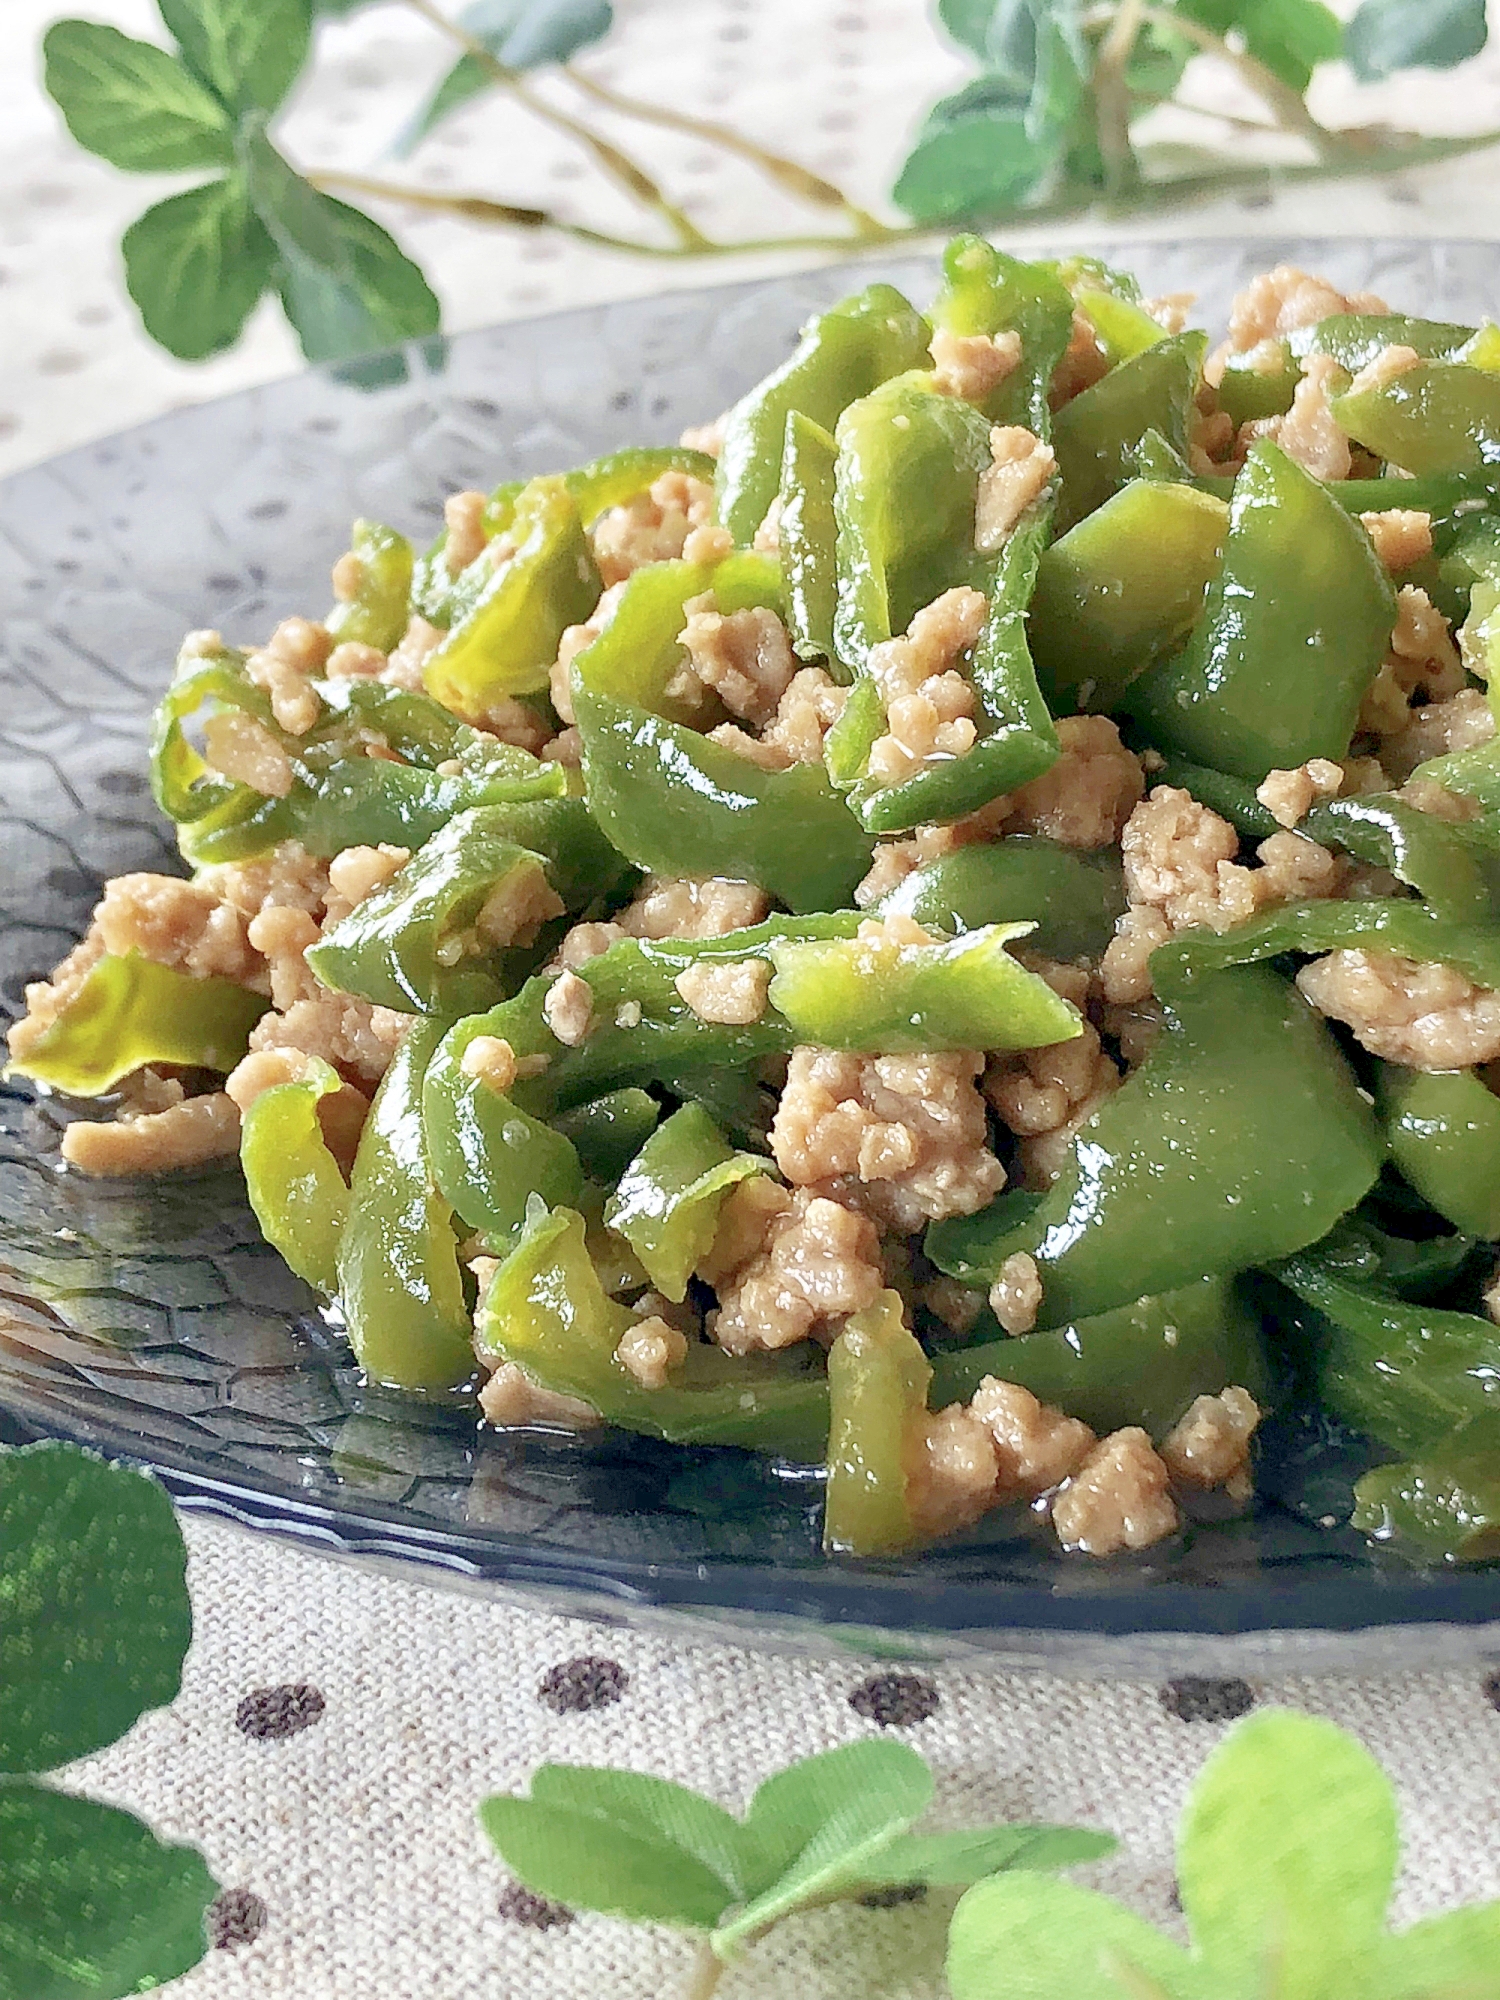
(829,1828)
(94,1623)
(1286,1859)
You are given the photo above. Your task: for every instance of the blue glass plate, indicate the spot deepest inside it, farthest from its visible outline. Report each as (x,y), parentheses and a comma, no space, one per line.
(149,1320)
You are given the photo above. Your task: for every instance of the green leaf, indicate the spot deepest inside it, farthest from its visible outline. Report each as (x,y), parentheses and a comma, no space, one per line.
(195,265)
(94,1611)
(1033,1937)
(974,158)
(954,1860)
(1389,35)
(1286,1856)
(654,1808)
(346,286)
(92,1905)
(248,52)
(1452,1957)
(1291,37)
(524,34)
(812,1829)
(132,103)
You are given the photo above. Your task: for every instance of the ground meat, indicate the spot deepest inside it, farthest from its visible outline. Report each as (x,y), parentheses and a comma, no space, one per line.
(514,911)
(1289,796)
(709,545)
(1119,1498)
(1459,723)
(957,1306)
(404,667)
(787,1265)
(1426,1016)
(1294,869)
(283,669)
(904,1136)
(1016,1295)
(1037,1447)
(1210,1445)
(1083,364)
(1308,432)
(733,994)
(680,906)
(186,1134)
(929,705)
(707,438)
(511,720)
(180,924)
(492,1059)
(1170,309)
(358,872)
(650,1349)
(1401,536)
(652,528)
(341,1114)
(1383,370)
(288,876)
(244,750)
(511,1397)
(353,661)
(574,640)
(1019,472)
(971,365)
(1125,971)
(358,1039)
(568,1008)
(1087,796)
(813,702)
(744,656)
(1283,301)
(1427,796)
(951,1479)
(463,517)
(46,998)
(1045,1095)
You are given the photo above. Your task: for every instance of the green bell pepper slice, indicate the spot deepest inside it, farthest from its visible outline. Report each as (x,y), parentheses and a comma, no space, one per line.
(1231,798)
(400,1283)
(1455,868)
(1097,433)
(668,1200)
(488,1156)
(877,1404)
(1260,383)
(967,992)
(1072,895)
(504,643)
(300,1198)
(1378,924)
(1443,1507)
(639,651)
(842,355)
(608,1132)
(1124,327)
(626,474)
(806,534)
(1122,590)
(1241,1137)
(1441,416)
(986,291)
(545,1310)
(1356,339)
(1141,1363)
(378,613)
(1408,1374)
(415,944)
(1291,636)
(1443,1133)
(126,1012)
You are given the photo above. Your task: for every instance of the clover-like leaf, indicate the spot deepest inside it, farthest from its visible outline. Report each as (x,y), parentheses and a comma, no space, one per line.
(248,52)
(1286,1855)
(975,157)
(195,265)
(954,1860)
(619,1842)
(1033,1937)
(1451,1957)
(92,1905)
(94,1610)
(1389,35)
(1291,37)
(131,102)
(523,34)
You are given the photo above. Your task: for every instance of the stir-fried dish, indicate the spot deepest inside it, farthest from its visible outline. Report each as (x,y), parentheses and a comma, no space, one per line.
(947,926)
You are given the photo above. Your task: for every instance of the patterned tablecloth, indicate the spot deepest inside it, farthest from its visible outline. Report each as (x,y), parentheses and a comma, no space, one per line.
(338,1726)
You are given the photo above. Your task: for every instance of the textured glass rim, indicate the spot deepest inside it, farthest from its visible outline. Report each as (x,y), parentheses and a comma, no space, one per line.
(856,1598)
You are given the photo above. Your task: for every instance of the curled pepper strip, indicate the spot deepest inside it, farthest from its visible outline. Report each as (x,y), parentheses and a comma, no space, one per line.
(1443,1132)
(130,1011)
(1139,1363)
(488,1156)
(877,1403)
(1098,432)
(1379,924)
(1242,1136)
(1073,895)
(300,1198)
(1291,636)
(986,291)
(1441,416)
(378,613)
(668,1200)
(546,1311)
(399,1280)
(1441,1507)
(806,533)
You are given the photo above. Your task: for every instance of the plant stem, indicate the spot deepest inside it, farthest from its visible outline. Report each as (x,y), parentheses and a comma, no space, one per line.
(707,1971)
(619,165)
(797,180)
(1112,97)
(1288,108)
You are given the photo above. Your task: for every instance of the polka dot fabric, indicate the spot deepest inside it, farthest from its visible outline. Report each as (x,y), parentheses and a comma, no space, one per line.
(338,1727)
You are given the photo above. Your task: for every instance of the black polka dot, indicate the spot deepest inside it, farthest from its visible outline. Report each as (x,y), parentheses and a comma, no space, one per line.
(1205,1698)
(533,1913)
(573,1687)
(900,1892)
(895,1701)
(267,1714)
(235,1917)
(1489,1687)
